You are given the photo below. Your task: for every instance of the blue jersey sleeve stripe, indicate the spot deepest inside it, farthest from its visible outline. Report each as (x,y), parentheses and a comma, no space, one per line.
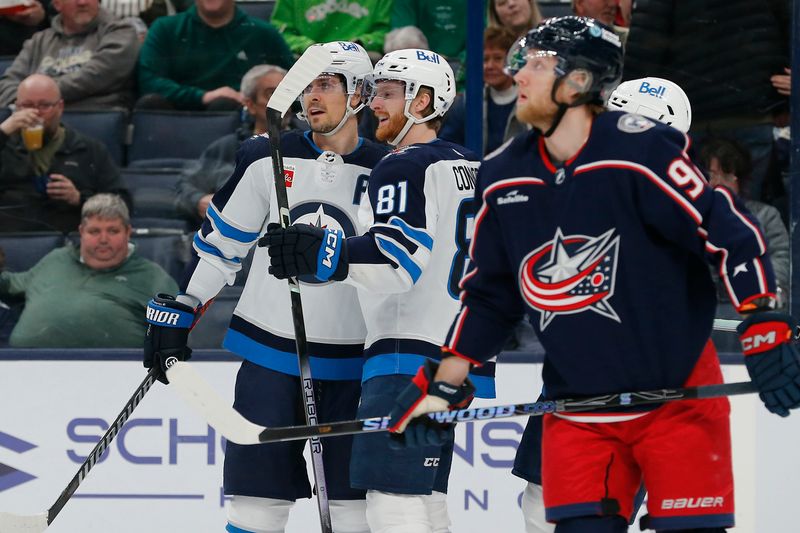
(229,231)
(418,235)
(395,234)
(213,250)
(401,257)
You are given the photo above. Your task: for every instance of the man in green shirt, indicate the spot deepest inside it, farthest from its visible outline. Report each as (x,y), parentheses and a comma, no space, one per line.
(195,59)
(307,22)
(91,296)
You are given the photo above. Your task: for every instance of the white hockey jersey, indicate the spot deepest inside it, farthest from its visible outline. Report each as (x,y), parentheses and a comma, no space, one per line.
(409,264)
(324,189)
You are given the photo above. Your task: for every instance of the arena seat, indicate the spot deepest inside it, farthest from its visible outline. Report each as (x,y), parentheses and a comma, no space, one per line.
(25,249)
(177,134)
(5,62)
(108,126)
(260,9)
(147,223)
(168,248)
(152,190)
(555,9)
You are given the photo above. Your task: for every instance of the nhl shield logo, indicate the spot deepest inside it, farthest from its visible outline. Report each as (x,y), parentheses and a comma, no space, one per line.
(571,274)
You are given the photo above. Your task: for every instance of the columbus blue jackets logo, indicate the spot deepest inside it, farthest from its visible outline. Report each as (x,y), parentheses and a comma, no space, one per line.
(571,274)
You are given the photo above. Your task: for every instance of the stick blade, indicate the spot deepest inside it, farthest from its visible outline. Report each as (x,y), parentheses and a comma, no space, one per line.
(187,383)
(313,62)
(15,523)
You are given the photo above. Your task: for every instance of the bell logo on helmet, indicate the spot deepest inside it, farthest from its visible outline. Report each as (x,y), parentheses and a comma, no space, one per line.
(348,47)
(658,92)
(433,58)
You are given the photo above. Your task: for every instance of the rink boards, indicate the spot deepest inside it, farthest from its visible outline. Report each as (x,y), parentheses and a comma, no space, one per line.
(164,470)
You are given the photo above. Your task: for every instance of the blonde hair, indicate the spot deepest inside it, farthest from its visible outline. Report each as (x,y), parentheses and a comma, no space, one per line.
(536,15)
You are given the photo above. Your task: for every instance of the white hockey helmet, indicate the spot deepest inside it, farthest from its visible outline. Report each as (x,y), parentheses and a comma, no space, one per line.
(352,62)
(416,68)
(655,98)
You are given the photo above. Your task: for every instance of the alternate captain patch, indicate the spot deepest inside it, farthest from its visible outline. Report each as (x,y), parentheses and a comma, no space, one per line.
(631,123)
(571,274)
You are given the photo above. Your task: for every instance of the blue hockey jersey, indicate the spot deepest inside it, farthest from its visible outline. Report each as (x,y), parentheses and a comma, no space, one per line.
(407,266)
(607,255)
(324,189)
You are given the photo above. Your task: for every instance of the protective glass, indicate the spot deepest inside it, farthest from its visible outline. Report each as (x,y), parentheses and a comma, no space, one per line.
(384,89)
(325,84)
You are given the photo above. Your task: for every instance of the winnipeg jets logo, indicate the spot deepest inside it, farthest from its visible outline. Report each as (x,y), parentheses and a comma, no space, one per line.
(322,215)
(571,274)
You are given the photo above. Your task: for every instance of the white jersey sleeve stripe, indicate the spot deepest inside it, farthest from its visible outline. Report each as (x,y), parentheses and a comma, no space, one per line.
(397,254)
(227,230)
(415,234)
(204,247)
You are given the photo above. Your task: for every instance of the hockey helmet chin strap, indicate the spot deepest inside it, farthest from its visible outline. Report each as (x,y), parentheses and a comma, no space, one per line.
(410,121)
(348,112)
(562,107)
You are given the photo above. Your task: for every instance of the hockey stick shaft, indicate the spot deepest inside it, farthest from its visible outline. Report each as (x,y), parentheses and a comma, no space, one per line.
(292,86)
(540,408)
(191,386)
(723,324)
(10,523)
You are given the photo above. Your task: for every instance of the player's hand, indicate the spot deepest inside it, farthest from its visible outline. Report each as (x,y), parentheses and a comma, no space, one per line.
(422,396)
(21,118)
(302,250)
(772,359)
(169,323)
(61,188)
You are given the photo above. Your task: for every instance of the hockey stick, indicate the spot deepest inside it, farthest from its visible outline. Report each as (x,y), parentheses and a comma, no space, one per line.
(310,65)
(201,397)
(723,324)
(14,523)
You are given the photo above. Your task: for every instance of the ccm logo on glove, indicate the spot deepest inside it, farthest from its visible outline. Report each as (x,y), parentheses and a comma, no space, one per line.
(331,242)
(764,336)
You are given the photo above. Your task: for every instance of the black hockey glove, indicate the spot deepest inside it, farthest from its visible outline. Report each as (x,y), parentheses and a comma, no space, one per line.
(772,359)
(306,250)
(409,425)
(169,323)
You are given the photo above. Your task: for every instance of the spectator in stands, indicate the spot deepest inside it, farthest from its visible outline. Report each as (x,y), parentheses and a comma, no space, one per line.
(727,163)
(199,181)
(18,24)
(194,60)
(89,53)
(499,98)
(606,11)
(695,45)
(142,13)
(403,38)
(306,22)
(91,296)
(44,188)
(517,15)
(443,22)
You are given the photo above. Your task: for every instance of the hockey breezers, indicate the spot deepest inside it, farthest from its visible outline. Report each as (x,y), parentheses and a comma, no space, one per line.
(185,380)
(13,523)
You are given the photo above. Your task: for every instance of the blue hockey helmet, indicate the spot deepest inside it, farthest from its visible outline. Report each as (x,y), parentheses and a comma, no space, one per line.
(578,43)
